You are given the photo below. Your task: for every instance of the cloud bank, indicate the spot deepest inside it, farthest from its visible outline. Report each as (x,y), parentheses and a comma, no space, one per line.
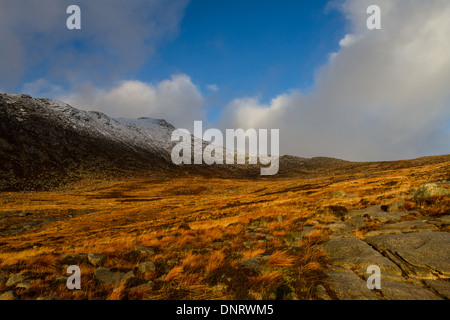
(384,95)
(176,99)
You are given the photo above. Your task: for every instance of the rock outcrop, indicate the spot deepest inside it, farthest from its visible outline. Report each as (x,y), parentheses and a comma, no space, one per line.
(413,256)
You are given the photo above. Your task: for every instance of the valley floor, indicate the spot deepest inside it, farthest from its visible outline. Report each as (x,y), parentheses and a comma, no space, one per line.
(209,238)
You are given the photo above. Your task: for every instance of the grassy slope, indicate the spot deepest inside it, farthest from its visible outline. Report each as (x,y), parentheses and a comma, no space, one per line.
(206,225)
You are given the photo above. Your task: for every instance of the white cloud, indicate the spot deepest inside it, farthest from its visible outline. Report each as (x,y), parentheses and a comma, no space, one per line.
(347,41)
(384,95)
(213,87)
(176,100)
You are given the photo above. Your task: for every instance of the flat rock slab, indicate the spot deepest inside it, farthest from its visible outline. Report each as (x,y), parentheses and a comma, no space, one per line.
(396,288)
(419,224)
(404,227)
(356,254)
(425,255)
(356,223)
(376,213)
(440,286)
(346,285)
(338,227)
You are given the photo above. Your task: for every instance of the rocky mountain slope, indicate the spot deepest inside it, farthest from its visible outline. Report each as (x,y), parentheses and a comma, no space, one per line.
(44,143)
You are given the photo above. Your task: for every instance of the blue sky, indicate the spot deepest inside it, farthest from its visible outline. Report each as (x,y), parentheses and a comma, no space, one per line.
(250,48)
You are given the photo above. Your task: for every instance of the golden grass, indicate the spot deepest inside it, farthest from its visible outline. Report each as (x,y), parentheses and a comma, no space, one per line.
(281,259)
(269,279)
(202,223)
(175,274)
(216,261)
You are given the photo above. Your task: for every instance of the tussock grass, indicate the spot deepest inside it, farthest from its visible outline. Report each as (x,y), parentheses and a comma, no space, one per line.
(208,226)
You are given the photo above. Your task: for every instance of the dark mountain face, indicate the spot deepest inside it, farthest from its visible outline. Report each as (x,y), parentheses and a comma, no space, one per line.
(44,144)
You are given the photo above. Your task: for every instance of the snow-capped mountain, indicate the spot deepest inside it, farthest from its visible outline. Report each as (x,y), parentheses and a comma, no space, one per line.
(42,138)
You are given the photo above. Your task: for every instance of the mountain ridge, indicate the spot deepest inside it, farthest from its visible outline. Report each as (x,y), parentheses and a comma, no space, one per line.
(42,140)
(46,144)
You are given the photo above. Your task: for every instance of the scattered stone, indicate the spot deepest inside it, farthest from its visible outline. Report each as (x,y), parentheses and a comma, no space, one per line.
(9,295)
(97,260)
(24,285)
(128,276)
(252,263)
(429,190)
(338,194)
(147,266)
(145,250)
(15,279)
(106,276)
